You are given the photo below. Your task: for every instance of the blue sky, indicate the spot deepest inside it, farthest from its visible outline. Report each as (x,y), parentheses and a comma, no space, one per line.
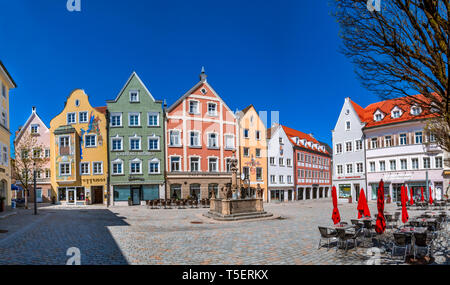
(277,55)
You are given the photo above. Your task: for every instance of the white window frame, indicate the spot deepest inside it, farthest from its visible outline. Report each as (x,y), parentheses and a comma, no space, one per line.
(229,136)
(120,120)
(136,160)
(95,140)
(34,126)
(93,168)
(117,138)
(137,96)
(79,117)
(199,163)
(199,139)
(134,114)
(133,138)
(179,163)
(70,169)
(198,107)
(117,161)
(178,136)
(348,125)
(217,141)
(216,113)
(88,168)
(148,119)
(152,161)
(351,146)
(158,139)
(74,116)
(400,139)
(217,163)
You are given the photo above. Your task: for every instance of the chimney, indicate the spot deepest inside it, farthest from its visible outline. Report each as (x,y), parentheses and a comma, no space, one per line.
(203,75)
(311,135)
(33,109)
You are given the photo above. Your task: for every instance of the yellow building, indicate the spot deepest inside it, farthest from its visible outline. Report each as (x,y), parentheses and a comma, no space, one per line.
(78,152)
(253,149)
(6,84)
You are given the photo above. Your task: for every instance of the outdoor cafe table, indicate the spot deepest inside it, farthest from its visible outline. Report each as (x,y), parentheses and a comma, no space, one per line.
(411,230)
(341,227)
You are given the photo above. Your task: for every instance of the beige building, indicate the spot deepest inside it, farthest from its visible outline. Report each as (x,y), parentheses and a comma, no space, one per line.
(6,84)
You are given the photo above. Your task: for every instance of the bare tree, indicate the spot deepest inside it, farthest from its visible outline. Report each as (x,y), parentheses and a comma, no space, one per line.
(400,50)
(29,157)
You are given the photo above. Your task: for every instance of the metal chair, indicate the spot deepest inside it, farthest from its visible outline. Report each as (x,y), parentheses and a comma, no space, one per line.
(326,234)
(344,236)
(401,241)
(420,242)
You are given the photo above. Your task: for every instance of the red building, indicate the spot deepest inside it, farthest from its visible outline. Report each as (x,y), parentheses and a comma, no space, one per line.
(201,137)
(312,166)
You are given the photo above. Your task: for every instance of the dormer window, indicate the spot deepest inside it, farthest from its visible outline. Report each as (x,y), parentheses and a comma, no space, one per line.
(378,117)
(396,113)
(134,96)
(34,129)
(415,110)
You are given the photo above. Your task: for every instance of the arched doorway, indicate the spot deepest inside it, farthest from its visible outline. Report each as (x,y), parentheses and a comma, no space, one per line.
(308,193)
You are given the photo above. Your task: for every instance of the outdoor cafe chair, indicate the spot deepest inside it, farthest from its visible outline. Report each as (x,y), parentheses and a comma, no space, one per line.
(326,234)
(368,228)
(344,237)
(196,203)
(421,242)
(401,241)
(203,203)
(169,204)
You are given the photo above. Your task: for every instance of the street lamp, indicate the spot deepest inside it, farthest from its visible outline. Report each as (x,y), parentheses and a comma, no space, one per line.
(34,190)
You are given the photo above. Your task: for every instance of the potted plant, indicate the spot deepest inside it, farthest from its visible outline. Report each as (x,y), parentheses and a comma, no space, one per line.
(2,204)
(350,199)
(130,202)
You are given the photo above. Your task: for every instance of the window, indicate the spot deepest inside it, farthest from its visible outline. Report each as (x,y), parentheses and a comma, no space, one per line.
(229,141)
(359,167)
(246,152)
(228,164)
(281,179)
(116,119)
(194,107)
(134,119)
(117,167)
(195,164)
(288,162)
(175,163)
(338,148)
(272,160)
(117,144)
(289,179)
(403,164)
(347,125)
(84,168)
(47,153)
(349,168)
(348,146)
(358,144)
(212,140)
(378,117)
(97,168)
(438,162)
(281,140)
(36,153)
(382,165)
(90,140)
(134,96)
(212,162)
(83,117)
(415,163)
(135,143)
(387,141)
(135,166)
(372,166)
(432,138)
(281,161)
(339,169)
(212,109)
(258,152)
(246,172)
(402,139)
(153,119)
(153,143)
(393,164)
(418,137)
(374,142)
(34,129)
(47,173)
(426,162)
(64,169)
(174,138)
(272,179)
(259,175)
(415,110)
(153,167)
(395,114)
(71,118)
(194,139)
(3,90)
(258,135)
(246,133)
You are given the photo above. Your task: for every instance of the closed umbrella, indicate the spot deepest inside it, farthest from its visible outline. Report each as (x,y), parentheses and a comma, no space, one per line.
(363,208)
(421,192)
(381,221)
(335,216)
(431,196)
(412,196)
(405,216)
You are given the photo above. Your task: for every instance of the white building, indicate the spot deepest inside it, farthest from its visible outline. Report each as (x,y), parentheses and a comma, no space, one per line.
(280,167)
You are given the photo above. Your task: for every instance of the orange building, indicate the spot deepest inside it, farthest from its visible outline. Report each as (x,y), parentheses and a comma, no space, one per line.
(201,139)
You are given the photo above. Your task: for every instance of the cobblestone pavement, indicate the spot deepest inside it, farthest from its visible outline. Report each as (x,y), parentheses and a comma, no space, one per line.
(138,235)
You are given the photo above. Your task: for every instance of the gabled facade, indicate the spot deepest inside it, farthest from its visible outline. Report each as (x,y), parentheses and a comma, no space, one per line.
(280,154)
(78,152)
(35,127)
(136,144)
(253,148)
(201,135)
(349,163)
(6,84)
(312,166)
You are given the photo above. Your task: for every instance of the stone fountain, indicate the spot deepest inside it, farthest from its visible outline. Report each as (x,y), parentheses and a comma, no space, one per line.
(232,204)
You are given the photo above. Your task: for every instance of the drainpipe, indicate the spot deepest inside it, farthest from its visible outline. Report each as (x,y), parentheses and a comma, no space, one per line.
(365,165)
(164,148)
(427,190)
(108,189)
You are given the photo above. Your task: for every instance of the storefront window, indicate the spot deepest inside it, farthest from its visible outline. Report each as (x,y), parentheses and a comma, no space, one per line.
(80,194)
(175,191)
(213,188)
(62,194)
(121,193)
(194,191)
(345,191)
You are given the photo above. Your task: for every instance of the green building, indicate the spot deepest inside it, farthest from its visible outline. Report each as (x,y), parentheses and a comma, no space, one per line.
(136,145)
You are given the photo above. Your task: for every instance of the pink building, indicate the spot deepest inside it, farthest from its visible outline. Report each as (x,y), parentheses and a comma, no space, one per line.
(37,128)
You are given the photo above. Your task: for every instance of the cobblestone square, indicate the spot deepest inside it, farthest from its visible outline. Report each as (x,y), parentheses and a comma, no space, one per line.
(139,235)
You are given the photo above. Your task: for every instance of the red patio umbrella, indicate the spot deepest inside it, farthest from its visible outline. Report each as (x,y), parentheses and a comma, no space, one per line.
(405,216)
(412,196)
(431,196)
(363,208)
(381,221)
(421,191)
(336,217)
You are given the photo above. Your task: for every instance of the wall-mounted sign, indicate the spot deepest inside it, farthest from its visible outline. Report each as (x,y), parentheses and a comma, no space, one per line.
(93,180)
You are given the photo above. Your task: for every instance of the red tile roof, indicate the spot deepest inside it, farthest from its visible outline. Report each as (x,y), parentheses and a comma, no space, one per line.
(404,103)
(359,110)
(291,133)
(101,109)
